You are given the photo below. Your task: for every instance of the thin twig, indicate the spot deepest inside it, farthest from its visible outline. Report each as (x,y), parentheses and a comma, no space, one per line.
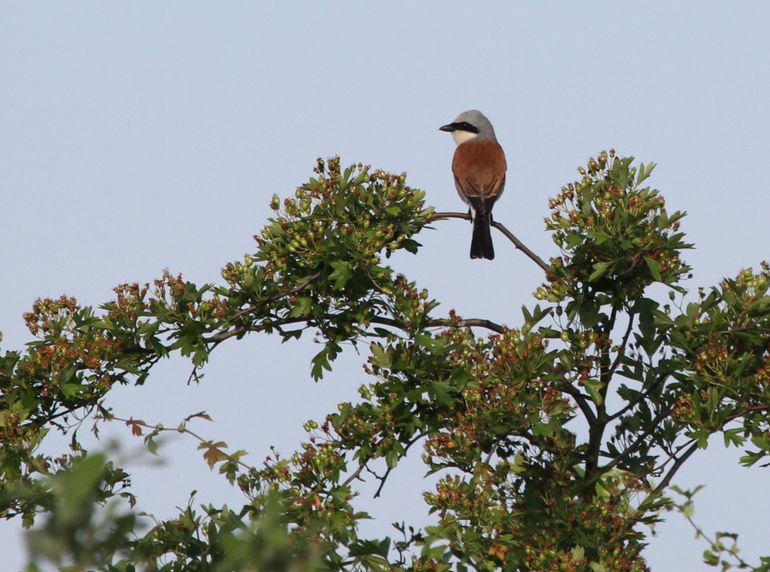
(294,290)
(355,474)
(631,449)
(672,453)
(693,446)
(622,349)
(364,465)
(382,480)
(718,546)
(641,397)
(582,401)
(674,468)
(194,376)
(508,234)
(477,322)
(596,430)
(385,476)
(181,429)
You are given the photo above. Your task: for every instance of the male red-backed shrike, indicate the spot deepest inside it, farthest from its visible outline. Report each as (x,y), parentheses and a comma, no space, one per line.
(479,169)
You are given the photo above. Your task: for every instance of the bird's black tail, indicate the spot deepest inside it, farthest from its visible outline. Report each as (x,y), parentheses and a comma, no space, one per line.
(481,245)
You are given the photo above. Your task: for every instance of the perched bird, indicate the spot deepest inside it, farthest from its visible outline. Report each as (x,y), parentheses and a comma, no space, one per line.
(479,169)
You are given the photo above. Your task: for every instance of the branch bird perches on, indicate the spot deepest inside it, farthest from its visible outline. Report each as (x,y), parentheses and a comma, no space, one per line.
(508,234)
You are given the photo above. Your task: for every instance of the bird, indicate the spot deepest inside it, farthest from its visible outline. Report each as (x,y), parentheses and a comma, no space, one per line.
(479,169)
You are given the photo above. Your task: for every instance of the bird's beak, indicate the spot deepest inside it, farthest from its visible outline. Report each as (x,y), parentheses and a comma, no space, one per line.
(450,127)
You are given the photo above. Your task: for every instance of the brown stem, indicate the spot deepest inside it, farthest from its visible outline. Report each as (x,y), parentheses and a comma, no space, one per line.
(623,344)
(363,465)
(582,401)
(653,425)
(693,446)
(355,474)
(508,234)
(597,428)
(674,468)
(442,322)
(385,476)
(261,303)
(641,397)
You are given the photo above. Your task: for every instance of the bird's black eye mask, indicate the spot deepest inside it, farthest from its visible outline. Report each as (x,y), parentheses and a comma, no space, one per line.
(461,126)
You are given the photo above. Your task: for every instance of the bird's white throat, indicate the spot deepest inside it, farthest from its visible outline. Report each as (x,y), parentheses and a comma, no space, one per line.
(461,137)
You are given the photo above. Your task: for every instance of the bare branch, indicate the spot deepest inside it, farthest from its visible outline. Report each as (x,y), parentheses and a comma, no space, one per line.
(382,480)
(383,321)
(508,234)
(651,427)
(674,468)
(692,446)
(387,473)
(294,290)
(622,349)
(476,322)
(356,474)
(582,401)
(643,396)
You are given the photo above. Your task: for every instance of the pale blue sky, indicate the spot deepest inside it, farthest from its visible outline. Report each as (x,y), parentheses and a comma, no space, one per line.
(148,135)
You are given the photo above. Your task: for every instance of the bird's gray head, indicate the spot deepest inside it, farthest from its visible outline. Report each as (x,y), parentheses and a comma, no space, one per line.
(471,124)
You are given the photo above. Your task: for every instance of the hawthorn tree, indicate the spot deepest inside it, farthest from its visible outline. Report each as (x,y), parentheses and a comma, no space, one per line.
(556,440)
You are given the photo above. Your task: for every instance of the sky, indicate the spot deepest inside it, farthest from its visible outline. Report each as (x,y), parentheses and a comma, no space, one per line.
(143,136)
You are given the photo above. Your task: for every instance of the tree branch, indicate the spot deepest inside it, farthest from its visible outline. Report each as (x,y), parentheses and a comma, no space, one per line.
(385,476)
(693,446)
(674,468)
(364,465)
(651,427)
(597,428)
(508,234)
(261,303)
(383,321)
(582,401)
(641,397)
(355,474)
(475,322)
(621,351)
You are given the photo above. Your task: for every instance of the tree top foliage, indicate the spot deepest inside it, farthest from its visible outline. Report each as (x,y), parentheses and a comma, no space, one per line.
(554,441)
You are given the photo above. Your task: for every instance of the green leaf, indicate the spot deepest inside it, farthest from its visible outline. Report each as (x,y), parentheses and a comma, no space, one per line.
(367,547)
(540,429)
(578,553)
(589,314)
(654,267)
(302,306)
(734,436)
(646,308)
(442,392)
(69,389)
(152,444)
(710,558)
(593,386)
(600,269)
(599,236)
(320,363)
(83,478)
(341,275)
(601,491)
(517,465)
(380,356)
